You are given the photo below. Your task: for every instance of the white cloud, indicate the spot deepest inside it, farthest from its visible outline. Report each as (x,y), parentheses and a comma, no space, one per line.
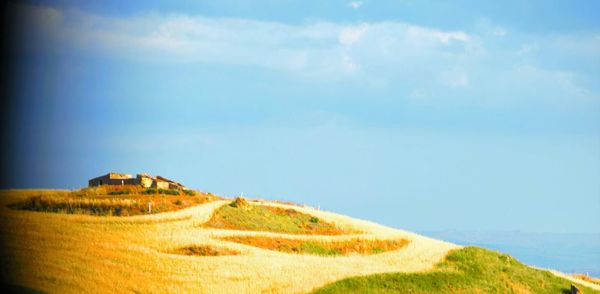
(441,36)
(351,35)
(315,48)
(392,52)
(356,4)
(446,37)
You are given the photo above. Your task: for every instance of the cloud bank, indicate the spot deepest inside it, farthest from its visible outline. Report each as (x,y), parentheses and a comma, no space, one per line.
(381,54)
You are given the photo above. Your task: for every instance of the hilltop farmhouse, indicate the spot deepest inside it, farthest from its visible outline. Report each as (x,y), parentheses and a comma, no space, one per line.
(144,180)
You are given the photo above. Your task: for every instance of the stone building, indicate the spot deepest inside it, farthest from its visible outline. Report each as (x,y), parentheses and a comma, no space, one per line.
(112,179)
(144,180)
(164,183)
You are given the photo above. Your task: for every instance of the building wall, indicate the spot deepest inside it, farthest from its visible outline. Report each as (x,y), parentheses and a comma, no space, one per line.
(132,181)
(162,185)
(145,181)
(102,180)
(106,180)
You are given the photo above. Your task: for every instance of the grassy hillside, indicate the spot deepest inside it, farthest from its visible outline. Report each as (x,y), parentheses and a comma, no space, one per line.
(180,251)
(113,201)
(240,215)
(467,270)
(317,247)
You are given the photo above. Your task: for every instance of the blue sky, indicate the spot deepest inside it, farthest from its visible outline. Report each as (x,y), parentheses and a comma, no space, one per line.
(421,115)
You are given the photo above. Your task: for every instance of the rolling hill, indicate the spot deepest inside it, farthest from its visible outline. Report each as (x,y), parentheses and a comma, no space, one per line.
(217,245)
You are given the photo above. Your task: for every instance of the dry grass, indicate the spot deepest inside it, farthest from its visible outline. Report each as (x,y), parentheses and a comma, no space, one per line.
(319,247)
(587,278)
(574,278)
(204,250)
(74,253)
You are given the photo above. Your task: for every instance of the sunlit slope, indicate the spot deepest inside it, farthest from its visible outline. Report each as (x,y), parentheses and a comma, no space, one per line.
(69,253)
(466,270)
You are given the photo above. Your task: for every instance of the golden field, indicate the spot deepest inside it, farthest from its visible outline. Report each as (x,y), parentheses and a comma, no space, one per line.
(74,253)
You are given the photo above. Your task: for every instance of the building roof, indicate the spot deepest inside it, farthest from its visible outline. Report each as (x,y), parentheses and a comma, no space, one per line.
(118,176)
(159,178)
(122,176)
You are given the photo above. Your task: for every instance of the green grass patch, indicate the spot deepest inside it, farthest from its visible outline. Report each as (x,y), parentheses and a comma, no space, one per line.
(239,215)
(115,202)
(324,248)
(314,248)
(149,191)
(189,192)
(168,191)
(468,270)
(119,192)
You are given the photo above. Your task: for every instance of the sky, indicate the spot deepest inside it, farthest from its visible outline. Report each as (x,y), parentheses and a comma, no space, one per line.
(421,115)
